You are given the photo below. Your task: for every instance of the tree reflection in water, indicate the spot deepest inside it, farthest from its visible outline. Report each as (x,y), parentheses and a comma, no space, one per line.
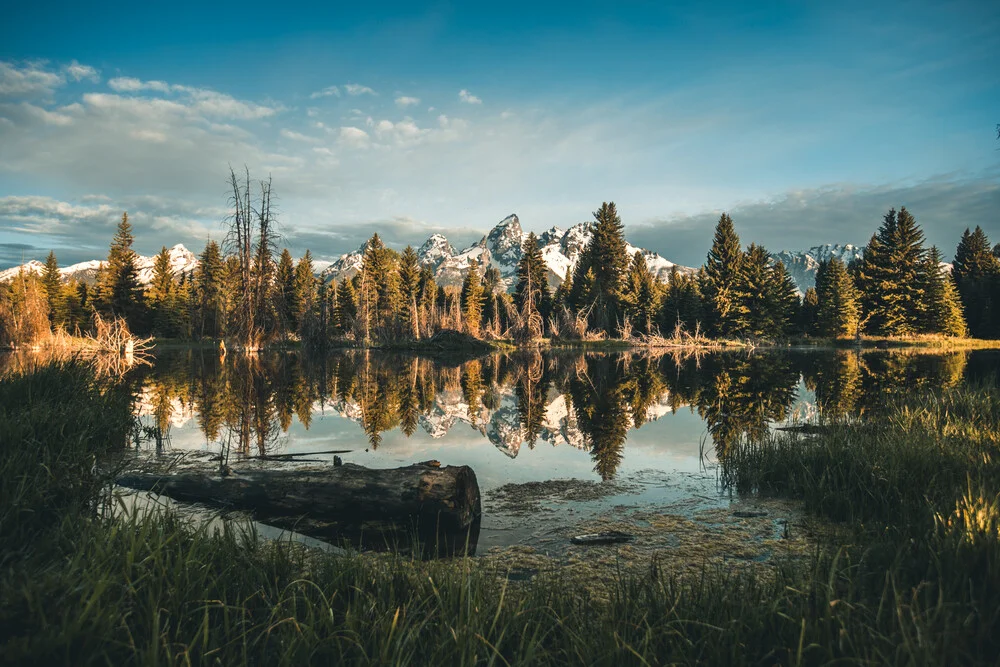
(588,400)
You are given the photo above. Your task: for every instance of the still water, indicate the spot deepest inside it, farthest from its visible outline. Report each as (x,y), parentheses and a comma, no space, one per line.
(648,429)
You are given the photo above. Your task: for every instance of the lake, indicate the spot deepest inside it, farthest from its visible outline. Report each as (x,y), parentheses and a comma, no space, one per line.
(632,430)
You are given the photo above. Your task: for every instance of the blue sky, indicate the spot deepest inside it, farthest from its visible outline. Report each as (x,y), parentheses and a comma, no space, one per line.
(805,120)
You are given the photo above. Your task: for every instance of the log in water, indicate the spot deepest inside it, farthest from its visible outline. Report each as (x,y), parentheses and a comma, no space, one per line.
(371,508)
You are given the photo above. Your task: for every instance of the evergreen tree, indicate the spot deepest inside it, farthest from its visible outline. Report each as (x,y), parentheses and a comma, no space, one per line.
(753,315)
(837,310)
(285,289)
(379,297)
(809,314)
(493,290)
(603,264)
(722,280)
(976,272)
(472,300)
(943,311)
(162,297)
(347,306)
(304,292)
(641,295)
(208,292)
(426,298)
(532,298)
(891,276)
(782,299)
(409,282)
(52,283)
(121,291)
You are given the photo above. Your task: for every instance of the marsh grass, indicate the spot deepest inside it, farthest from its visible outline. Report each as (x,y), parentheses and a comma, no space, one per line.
(78,587)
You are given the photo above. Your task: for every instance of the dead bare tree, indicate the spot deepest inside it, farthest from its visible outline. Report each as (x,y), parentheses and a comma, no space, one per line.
(252,239)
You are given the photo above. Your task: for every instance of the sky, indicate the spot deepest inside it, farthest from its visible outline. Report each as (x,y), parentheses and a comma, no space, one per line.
(805,121)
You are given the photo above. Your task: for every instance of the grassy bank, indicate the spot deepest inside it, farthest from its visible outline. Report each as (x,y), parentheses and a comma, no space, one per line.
(919,583)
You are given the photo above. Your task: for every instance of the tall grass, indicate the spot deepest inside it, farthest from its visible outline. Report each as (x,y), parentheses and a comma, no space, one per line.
(146,588)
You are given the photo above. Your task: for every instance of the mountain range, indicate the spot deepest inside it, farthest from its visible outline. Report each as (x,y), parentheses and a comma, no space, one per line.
(500,248)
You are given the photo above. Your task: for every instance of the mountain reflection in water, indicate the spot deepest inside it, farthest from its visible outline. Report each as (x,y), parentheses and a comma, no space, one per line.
(588,401)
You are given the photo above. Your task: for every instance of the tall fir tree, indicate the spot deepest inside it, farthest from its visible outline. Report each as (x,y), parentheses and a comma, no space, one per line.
(347,306)
(472,300)
(603,266)
(409,283)
(531,293)
(641,295)
(162,297)
(722,280)
(891,278)
(285,291)
(943,306)
(837,309)
(976,272)
(209,297)
(783,299)
(808,321)
(121,291)
(753,315)
(305,292)
(54,294)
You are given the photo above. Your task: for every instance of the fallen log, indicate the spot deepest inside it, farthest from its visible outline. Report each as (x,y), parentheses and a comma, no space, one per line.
(423,504)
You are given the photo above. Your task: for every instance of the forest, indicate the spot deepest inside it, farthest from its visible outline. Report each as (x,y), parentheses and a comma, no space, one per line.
(245,292)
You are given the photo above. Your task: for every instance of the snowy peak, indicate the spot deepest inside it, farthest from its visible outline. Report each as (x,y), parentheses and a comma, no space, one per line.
(435,250)
(803,265)
(505,241)
(182,262)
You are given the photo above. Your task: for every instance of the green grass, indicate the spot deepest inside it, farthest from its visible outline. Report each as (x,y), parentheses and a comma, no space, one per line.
(917,585)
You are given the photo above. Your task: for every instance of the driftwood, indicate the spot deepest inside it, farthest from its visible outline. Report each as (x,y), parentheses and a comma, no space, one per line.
(437,508)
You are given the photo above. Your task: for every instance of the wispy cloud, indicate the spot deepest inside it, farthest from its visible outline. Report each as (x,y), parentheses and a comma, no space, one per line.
(330,91)
(79,72)
(468,97)
(404,101)
(355,89)
(30,79)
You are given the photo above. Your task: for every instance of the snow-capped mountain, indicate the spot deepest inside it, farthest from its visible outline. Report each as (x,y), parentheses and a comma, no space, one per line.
(501,248)
(802,265)
(182,261)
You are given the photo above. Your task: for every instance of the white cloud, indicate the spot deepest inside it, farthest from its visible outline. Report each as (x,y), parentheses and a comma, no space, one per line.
(403,101)
(152,136)
(79,72)
(128,84)
(298,136)
(355,89)
(354,136)
(468,97)
(203,100)
(28,80)
(330,91)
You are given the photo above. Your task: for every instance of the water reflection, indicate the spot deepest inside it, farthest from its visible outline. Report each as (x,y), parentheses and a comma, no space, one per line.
(591,402)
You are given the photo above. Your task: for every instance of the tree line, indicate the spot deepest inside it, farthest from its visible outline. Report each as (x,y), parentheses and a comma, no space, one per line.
(246,292)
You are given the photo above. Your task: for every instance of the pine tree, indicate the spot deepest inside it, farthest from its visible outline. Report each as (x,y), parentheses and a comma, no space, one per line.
(52,283)
(121,291)
(409,282)
(472,300)
(943,312)
(809,314)
(753,315)
(532,298)
(976,272)
(891,276)
(285,288)
(641,295)
(722,280)
(426,298)
(604,264)
(162,297)
(379,298)
(304,292)
(782,299)
(347,308)
(837,310)
(493,290)
(209,287)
